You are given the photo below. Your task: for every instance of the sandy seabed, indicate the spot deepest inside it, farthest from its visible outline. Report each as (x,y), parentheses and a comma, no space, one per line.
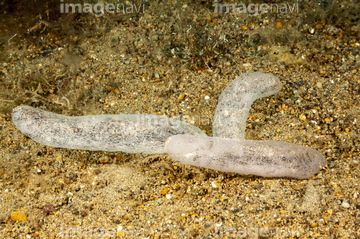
(149,64)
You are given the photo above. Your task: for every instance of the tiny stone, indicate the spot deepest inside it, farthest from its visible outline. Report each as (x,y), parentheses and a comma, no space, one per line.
(181,96)
(302,117)
(357,221)
(97,171)
(83,213)
(331,165)
(207,97)
(214,185)
(258,186)
(48,209)
(345,204)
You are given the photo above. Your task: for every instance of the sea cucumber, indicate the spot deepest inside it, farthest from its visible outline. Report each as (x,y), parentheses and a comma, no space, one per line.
(254,157)
(235,102)
(132,133)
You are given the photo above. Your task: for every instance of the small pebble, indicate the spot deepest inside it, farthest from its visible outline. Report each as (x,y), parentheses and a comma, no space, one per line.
(278,25)
(302,117)
(18,216)
(258,186)
(181,96)
(345,204)
(48,209)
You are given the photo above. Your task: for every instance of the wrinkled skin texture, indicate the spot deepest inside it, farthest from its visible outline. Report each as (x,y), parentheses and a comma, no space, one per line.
(254,157)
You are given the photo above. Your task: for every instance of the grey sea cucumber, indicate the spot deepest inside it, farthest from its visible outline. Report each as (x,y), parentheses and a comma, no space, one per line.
(235,102)
(255,157)
(132,133)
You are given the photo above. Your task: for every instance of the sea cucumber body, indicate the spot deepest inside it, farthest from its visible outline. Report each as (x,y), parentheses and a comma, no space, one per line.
(254,157)
(134,133)
(235,102)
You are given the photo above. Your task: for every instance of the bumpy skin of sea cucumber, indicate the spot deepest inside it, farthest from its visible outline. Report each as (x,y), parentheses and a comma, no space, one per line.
(235,102)
(249,157)
(136,133)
